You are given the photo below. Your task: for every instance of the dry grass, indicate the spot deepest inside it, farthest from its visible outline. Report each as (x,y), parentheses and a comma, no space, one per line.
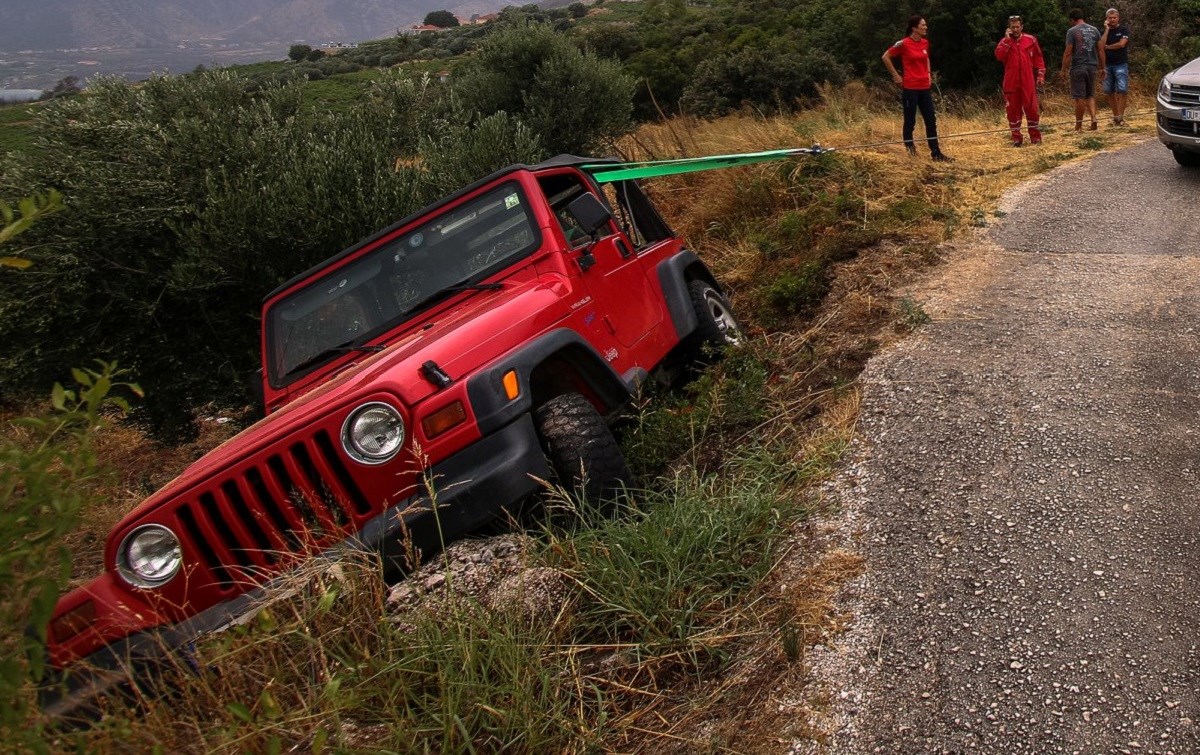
(266,690)
(866,129)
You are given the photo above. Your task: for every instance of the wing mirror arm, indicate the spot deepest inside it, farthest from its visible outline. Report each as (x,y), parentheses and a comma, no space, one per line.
(592,217)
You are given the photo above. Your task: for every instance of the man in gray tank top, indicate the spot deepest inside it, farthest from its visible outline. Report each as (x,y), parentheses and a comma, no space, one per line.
(1083,61)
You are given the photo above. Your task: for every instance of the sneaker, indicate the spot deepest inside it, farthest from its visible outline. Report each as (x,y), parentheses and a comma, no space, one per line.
(1018,143)
(940,158)
(1095,125)
(1079,125)
(1035,142)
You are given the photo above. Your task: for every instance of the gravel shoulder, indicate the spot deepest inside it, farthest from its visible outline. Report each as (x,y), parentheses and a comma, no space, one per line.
(1024,487)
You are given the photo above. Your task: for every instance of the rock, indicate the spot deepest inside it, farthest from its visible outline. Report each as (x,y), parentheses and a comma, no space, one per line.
(538,595)
(468,568)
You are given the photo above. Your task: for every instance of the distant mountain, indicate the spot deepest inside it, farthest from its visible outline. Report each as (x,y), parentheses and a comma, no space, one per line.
(67,24)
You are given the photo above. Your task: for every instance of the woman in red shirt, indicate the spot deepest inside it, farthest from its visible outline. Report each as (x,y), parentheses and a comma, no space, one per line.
(913,54)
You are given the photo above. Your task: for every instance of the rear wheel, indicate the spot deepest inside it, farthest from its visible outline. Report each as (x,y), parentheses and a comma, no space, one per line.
(1186,159)
(582,451)
(717,327)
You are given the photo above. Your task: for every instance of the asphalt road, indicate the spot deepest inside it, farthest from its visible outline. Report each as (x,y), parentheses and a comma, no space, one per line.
(1026,487)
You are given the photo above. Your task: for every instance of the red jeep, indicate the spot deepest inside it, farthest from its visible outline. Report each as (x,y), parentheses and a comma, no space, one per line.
(470,348)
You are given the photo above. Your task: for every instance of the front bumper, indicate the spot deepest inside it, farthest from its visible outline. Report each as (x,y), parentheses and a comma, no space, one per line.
(468,489)
(1174,131)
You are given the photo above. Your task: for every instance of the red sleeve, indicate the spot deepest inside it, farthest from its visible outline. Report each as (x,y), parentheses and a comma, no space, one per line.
(1039,63)
(1003,48)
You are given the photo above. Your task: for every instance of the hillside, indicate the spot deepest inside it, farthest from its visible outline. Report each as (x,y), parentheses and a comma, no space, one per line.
(59,24)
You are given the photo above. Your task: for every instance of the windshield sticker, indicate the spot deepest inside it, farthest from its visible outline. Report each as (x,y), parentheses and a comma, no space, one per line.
(511,201)
(416,240)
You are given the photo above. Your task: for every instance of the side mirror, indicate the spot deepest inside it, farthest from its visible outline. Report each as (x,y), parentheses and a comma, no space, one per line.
(255,386)
(589,212)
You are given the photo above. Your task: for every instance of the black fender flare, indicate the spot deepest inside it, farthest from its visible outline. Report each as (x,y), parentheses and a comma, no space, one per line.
(674,274)
(485,389)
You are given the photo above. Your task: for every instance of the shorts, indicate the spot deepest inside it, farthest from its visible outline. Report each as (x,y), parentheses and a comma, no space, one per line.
(1117,80)
(1083,83)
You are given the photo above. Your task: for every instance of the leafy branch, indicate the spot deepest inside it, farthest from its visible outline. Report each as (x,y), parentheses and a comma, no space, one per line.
(29,210)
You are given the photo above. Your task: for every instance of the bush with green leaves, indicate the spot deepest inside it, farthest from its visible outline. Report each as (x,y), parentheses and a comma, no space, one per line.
(28,211)
(46,463)
(299,52)
(759,77)
(574,101)
(719,54)
(441,18)
(190,198)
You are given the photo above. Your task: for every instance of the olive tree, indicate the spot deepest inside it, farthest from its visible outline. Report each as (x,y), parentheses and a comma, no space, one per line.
(574,101)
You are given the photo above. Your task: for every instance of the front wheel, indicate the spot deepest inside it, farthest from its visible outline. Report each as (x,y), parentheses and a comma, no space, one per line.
(582,451)
(1186,159)
(716,327)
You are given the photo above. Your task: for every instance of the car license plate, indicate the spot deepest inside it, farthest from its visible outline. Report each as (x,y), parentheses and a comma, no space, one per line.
(1191,115)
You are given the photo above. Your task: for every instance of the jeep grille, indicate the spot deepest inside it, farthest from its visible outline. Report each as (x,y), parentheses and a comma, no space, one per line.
(287,503)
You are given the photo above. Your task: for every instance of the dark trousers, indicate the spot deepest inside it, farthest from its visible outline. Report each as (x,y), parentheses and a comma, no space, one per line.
(919,99)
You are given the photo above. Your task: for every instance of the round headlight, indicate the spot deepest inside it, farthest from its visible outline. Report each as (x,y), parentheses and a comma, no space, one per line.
(149,556)
(373,433)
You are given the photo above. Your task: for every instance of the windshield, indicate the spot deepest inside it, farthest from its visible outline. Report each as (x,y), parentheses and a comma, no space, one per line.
(378,291)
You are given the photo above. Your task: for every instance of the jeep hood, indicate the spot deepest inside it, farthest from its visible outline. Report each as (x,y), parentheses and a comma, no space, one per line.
(472,332)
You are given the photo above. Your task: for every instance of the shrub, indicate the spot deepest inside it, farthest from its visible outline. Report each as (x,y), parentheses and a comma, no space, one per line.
(458,148)
(443,18)
(759,77)
(574,101)
(44,470)
(797,291)
(614,40)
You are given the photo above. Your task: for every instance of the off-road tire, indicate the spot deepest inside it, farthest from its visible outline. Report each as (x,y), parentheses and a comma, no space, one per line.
(716,326)
(1186,158)
(581,449)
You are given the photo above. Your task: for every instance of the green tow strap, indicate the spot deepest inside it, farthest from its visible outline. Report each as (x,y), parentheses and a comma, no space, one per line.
(609,172)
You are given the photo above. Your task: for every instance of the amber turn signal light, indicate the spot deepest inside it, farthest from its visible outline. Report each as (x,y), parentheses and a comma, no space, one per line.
(73,622)
(512,388)
(443,419)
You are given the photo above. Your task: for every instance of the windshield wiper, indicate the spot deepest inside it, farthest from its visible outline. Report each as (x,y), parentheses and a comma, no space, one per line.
(333,351)
(441,293)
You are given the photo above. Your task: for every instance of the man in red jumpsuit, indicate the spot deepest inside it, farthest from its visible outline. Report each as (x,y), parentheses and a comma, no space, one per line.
(1024,72)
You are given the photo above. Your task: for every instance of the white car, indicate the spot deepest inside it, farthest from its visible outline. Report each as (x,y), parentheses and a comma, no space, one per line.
(1179,113)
